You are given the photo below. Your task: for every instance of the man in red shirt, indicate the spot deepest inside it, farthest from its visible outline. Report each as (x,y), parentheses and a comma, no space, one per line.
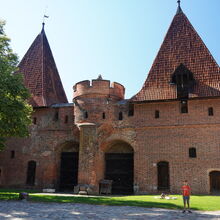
(186,195)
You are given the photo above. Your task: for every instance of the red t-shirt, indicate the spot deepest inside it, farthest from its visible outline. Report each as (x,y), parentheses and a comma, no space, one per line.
(186,190)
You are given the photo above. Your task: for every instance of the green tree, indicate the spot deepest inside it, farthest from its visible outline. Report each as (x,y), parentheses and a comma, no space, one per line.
(15,112)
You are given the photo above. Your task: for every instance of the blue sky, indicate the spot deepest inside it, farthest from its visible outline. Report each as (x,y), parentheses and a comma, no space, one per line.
(116,38)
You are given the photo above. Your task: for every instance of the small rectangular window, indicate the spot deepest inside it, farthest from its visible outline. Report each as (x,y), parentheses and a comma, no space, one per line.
(184,106)
(35,120)
(66,119)
(12,154)
(120,116)
(86,115)
(131,110)
(157,114)
(210,111)
(103,115)
(56,116)
(192,152)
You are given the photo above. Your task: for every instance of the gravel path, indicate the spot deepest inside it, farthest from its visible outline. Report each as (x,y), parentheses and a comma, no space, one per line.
(18,210)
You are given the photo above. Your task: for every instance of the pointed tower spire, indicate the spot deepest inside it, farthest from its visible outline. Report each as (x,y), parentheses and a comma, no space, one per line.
(43,24)
(41,76)
(179,9)
(182,47)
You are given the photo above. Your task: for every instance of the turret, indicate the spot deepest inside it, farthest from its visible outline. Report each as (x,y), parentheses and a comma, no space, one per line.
(93,99)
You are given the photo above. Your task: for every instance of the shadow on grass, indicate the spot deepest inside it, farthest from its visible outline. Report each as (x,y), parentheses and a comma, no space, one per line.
(104,201)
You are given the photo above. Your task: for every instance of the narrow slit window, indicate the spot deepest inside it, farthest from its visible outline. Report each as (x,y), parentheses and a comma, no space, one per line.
(192,152)
(120,116)
(66,119)
(131,110)
(12,154)
(210,111)
(86,115)
(35,120)
(184,106)
(56,116)
(103,115)
(157,114)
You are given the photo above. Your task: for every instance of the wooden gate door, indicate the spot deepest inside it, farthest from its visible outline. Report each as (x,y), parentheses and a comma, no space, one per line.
(69,170)
(163,176)
(215,181)
(119,168)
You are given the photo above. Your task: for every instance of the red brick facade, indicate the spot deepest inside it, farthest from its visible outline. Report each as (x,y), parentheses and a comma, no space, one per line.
(101,128)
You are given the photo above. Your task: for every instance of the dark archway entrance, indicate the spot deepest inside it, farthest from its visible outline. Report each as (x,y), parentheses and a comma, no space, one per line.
(31,171)
(163,176)
(119,167)
(69,166)
(215,182)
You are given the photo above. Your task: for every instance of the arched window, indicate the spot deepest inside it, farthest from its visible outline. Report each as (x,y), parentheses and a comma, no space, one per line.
(192,152)
(31,171)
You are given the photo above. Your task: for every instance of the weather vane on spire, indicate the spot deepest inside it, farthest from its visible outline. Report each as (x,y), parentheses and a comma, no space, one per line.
(178,3)
(45,16)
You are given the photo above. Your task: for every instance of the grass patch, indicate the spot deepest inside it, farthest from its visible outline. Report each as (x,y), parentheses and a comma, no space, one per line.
(205,203)
(12,194)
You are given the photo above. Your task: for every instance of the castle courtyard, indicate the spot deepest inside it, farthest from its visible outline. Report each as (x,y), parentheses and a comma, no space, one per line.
(18,210)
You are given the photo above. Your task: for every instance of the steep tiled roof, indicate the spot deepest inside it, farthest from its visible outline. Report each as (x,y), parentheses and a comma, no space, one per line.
(182,45)
(41,76)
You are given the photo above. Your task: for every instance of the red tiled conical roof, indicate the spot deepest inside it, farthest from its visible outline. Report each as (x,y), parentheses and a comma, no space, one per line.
(182,45)
(41,76)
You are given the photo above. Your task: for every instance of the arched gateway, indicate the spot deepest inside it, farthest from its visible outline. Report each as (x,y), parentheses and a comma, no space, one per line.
(119,167)
(69,159)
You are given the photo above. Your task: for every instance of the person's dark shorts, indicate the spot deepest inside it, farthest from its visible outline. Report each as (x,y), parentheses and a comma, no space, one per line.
(185,199)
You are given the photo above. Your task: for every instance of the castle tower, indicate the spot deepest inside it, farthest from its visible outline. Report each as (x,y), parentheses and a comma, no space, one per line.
(93,99)
(93,104)
(184,68)
(41,76)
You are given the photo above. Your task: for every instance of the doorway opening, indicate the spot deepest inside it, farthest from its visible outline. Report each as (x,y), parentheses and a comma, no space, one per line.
(69,160)
(31,172)
(214,182)
(163,177)
(119,167)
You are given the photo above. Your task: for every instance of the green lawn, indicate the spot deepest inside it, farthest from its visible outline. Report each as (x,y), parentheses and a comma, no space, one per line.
(208,203)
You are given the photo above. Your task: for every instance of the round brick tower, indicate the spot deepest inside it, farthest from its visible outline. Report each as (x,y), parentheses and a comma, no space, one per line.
(93,100)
